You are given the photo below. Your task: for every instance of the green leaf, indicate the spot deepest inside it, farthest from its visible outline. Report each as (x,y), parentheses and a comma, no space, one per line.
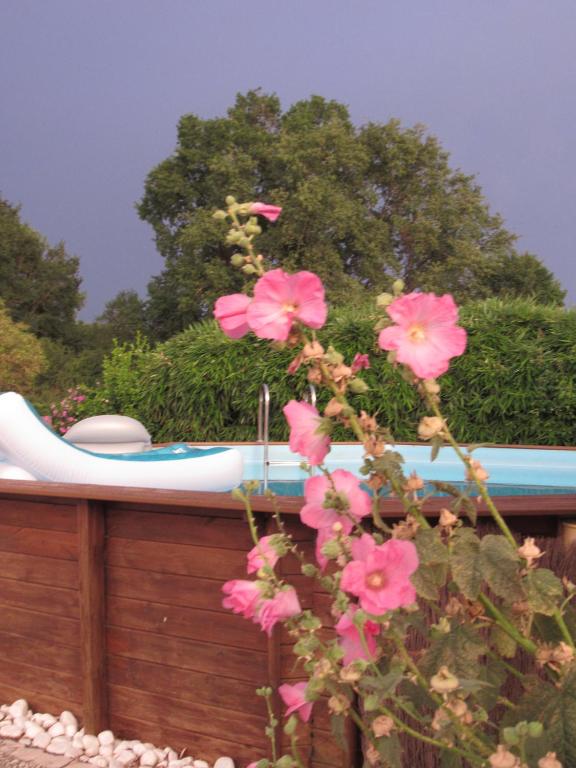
(502,642)
(448,759)
(544,591)
(390,750)
(500,567)
(338,728)
(433,563)
(458,650)
(466,562)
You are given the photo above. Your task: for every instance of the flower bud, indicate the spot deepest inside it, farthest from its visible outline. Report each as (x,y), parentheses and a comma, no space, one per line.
(219,215)
(397,287)
(237,260)
(476,471)
(382,726)
(249,269)
(444,681)
(384,299)
(338,704)
(334,408)
(447,518)
(358,387)
(430,426)
(413,483)
(549,761)
(230,200)
(431,386)
(529,551)
(503,758)
(313,350)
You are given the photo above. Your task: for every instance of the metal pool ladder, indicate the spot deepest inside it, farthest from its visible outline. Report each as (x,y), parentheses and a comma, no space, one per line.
(263,428)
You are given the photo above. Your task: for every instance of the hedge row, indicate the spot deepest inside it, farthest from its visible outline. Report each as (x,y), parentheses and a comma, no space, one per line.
(515,384)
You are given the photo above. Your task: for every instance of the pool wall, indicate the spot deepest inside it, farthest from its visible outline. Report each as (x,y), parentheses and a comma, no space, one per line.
(110,605)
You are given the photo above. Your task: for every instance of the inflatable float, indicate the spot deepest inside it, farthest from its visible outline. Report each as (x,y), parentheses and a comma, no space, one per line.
(34,452)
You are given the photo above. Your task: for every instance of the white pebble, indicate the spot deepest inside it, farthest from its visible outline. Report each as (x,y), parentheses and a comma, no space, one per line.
(19,708)
(106,750)
(171,756)
(47,721)
(126,757)
(149,758)
(56,730)
(224,762)
(106,737)
(11,731)
(180,763)
(99,761)
(78,740)
(200,764)
(138,748)
(41,740)
(67,718)
(70,730)
(59,746)
(84,758)
(21,722)
(73,752)
(33,729)
(91,745)
(25,741)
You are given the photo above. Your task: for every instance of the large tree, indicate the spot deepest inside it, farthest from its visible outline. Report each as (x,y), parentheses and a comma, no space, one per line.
(39,283)
(362,206)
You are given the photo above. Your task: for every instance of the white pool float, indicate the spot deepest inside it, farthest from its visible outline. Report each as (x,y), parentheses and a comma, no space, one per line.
(27,443)
(110,434)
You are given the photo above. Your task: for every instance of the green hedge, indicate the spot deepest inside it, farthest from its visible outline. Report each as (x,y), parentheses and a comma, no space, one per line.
(515,384)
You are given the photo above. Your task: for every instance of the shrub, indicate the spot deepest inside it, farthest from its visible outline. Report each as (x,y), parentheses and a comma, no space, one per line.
(517,379)
(21,356)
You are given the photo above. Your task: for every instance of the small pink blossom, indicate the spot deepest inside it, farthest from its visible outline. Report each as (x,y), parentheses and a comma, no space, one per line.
(425,336)
(47,420)
(379,574)
(230,312)
(316,514)
(304,422)
(294,696)
(242,597)
(283,605)
(280,299)
(351,641)
(270,212)
(360,362)
(262,554)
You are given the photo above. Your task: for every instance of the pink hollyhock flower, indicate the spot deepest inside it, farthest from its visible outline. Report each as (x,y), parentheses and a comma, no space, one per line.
(283,605)
(270,212)
(351,641)
(280,299)
(230,311)
(315,514)
(425,336)
(304,422)
(262,554)
(294,698)
(359,362)
(379,574)
(242,597)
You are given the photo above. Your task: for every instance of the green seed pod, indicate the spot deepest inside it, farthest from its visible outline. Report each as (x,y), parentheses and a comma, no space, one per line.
(219,215)
(237,260)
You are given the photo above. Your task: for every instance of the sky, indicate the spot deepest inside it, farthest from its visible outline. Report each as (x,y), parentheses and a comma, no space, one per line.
(91,92)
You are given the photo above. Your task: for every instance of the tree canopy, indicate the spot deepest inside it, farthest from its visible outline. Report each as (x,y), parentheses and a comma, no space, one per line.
(22,358)
(39,283)
(362,207)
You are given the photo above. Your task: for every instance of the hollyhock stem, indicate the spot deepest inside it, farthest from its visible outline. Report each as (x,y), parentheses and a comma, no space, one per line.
(563,627)
(506,625)
(249,248)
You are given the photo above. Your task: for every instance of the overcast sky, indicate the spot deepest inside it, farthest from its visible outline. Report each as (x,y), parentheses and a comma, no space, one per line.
(91,92)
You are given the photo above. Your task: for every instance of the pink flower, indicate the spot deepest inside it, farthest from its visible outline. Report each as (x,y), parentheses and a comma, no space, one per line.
(47,420)
(351,641)
(359,362)
(283,605)
(425,336)
(315,514)
(379,574)
(230,311)
(304,422)
(242,597)
(294,698)
(262,554)
(270,212)
(280,299)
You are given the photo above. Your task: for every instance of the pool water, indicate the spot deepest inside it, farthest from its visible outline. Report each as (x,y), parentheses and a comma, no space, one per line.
(296,488)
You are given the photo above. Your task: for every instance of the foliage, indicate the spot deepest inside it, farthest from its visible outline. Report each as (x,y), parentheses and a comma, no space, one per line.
(21,355)
(38,282)
(514,385)
(124,316)
(67,412)
(362,206)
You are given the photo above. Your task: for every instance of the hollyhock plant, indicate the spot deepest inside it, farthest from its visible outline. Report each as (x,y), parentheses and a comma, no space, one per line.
(350,640)
(262,554)
(294,696)
(284,605)
(318,514)
(280,299)
(360,362)
(230,312)
(270,212)
(305,437)
(379,574)
(425,335)
(242,596)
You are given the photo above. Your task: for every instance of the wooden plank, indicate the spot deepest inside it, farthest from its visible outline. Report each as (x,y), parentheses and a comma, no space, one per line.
(195,743)
(248,666)
(223,628)
(35,597)
(182,559)
(58,685)
(33,541)
(37,700)
(43,626)
(164,710)
(52,516)
(200,530)
(39,653)
(92,597)
(201,687)
(39,570)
